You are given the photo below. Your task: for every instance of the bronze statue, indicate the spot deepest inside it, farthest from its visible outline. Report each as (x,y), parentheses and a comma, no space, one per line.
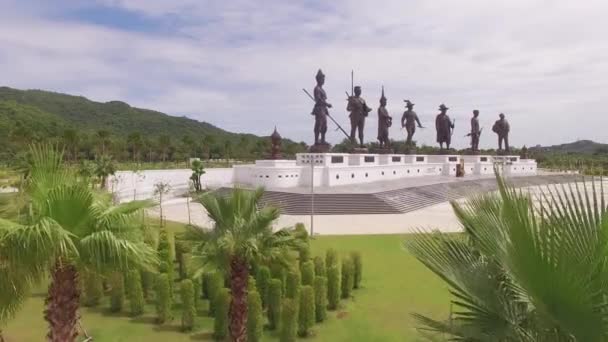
(409,121)
(475,131)
(444,127)
(358,111)
(275,140)
(502,128)
(320,109)
(384,122)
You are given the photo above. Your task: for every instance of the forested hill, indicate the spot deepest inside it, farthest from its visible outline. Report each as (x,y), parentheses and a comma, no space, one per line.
(579,146)
(127,132)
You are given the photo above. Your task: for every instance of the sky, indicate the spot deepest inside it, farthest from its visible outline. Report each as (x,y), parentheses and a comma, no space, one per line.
(241,65)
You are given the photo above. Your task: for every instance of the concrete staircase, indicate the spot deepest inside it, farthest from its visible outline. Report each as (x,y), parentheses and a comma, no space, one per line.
(394,201)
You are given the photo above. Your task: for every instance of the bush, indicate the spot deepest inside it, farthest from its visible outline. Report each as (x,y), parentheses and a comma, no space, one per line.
(163,299)
(275,290)
(333,287)
(117,293)
(197,287)
(185,261)
(222,306)
(165,256)
(136,293)
(214,285)
(188,309)
(320,299)
(263,281)
(306,316)
(357,269)
(279,271)
(255,320)
(300,232)
(251,285)
(147,283)
(320,269)
(206,279)
(292,289)
(304,253)
(93,288)
(347,277)
(289,321)
(308,273)
(331,258)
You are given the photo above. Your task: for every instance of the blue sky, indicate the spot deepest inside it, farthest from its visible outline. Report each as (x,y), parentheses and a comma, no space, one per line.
(241,64)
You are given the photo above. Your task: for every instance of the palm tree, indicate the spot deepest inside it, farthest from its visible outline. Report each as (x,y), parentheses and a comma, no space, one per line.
(242,235)
(69,229)
(527,268)
(104,167)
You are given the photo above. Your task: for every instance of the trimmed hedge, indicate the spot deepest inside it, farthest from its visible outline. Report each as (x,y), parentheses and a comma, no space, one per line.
(147,283)
(292,288)
(306,316)
(348,277)
(289,321)
(188,308)
(93,289)
(262,282)
(320,299)
(136,293)
(304,253)
(163,299)
(206,279)
(331,258)
(221,321)
(275,290)
(333,287)
(214,286)
(308,273)
(165,256)
(358,269)
(117,293)
(320,269)
(255,319)
(196,284)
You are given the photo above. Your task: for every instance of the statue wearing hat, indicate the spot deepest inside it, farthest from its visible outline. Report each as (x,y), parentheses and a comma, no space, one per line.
(358,111)
(384,122)
(475,131)
(502,128)
(444,127)
(409,121)
(320,109)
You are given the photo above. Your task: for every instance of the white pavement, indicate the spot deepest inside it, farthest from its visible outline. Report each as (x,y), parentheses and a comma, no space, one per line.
(438,217)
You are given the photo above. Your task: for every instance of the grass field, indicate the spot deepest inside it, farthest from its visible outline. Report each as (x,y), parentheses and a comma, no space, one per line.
(394,285)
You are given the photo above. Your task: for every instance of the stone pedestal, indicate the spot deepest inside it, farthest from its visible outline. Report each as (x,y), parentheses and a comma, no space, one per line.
(359,150)
(320,148)
(382,151)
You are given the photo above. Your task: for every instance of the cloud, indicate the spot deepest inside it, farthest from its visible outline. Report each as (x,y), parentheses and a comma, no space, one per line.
(241,64)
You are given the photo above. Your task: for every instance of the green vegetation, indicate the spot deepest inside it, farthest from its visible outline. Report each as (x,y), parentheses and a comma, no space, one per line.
(357,269)
(66,230)
(308,273)
(163,299)
(255,317)
(263,282)
(275,290)
(289,320)
(320,269)
(333,287)
(88,129)
(292,289)
(92,289)
(380,311)
(523,270)
(117,292)
(221,321)
(242,236)
(306,316)
(348,277)
(215,283)
(136,293)
(320,289)
(188,308)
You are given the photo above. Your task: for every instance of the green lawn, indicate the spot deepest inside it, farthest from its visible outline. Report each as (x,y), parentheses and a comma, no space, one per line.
(394,285)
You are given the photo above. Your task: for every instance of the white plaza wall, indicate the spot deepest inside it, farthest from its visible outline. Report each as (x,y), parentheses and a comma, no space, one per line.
(140,185)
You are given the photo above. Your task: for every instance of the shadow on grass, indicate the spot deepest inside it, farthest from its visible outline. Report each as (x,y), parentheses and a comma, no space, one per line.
(144,320)
(168,327)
